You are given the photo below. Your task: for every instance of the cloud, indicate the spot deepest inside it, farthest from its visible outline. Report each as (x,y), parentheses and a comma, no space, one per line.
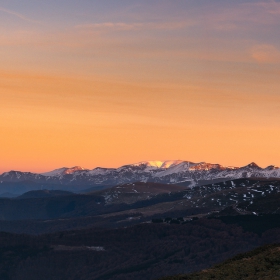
(241,16)
(122,26)
(18,15)
(111,26)
(266,54)
(272,7)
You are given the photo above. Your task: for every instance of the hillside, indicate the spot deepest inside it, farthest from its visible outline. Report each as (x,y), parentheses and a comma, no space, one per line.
(43,193)
(59,204)
(145,251)
(260,264)
(131,204)
(138,191)
(264,204)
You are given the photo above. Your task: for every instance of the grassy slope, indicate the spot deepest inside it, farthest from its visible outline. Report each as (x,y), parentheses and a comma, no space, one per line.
(260,264)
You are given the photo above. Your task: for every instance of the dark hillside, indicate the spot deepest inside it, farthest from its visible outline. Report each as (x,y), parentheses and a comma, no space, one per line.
(146,251)
(267,204)
(260,264)
(43,193)
(253,223)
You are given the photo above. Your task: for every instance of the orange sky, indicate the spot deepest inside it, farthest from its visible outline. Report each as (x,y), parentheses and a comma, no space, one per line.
(202,86)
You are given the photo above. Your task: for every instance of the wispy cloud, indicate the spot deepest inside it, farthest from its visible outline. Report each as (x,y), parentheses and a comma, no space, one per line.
(272,7)
(18,15)
(243,16)
(266,54)
(123,26)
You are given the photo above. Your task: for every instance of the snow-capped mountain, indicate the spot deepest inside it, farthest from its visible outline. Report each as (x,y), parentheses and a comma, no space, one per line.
(168,172)
(63,171)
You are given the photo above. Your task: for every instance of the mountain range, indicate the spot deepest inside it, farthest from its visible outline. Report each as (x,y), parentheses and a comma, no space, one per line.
(178,172)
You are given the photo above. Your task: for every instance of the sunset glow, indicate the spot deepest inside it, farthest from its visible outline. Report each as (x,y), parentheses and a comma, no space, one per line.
(107,83)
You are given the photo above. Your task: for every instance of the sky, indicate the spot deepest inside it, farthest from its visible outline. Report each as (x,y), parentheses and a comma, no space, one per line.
(107,83)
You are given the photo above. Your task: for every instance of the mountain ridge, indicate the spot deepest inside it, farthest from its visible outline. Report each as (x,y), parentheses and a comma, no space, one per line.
(167,172)
(157,164)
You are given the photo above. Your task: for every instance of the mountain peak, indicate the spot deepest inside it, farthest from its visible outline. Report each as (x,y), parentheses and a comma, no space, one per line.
(271,167)
(63,171)
(252,165)
(158,163)
(73,169)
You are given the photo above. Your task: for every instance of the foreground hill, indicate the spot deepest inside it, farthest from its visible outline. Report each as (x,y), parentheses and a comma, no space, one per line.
(146,251)
(260,264)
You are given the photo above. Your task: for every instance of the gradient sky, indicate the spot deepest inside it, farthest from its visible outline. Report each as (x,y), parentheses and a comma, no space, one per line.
(107,83)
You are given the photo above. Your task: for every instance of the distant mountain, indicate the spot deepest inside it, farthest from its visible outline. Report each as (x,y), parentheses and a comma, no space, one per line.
(166,172)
